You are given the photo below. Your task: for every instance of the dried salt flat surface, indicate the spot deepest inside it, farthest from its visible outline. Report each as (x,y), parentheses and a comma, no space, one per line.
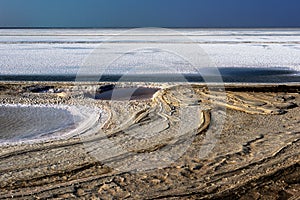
(64,51)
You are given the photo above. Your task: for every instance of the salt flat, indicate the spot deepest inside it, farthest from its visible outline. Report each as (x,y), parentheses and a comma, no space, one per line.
(64,51)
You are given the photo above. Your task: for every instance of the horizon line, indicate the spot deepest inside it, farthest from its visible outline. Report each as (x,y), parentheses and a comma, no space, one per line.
(133,27)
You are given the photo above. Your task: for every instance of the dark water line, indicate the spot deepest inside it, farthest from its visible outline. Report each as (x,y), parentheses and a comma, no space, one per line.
(227,75)
(171,78)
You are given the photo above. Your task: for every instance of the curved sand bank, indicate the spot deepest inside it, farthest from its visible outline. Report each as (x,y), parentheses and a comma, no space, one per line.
(164,147)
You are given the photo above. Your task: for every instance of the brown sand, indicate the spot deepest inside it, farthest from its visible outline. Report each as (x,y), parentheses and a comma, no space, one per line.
(256,155)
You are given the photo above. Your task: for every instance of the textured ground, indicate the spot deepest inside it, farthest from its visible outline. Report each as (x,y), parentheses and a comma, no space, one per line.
(187,142)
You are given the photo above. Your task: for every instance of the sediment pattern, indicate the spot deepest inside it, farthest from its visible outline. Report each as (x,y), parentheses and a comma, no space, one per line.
(170,147)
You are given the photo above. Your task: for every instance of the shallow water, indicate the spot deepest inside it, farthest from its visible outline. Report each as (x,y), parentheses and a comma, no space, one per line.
(138,93)
(228,74)
(28,122)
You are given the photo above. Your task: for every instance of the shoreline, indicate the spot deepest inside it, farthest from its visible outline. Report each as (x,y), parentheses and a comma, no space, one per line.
(224,75)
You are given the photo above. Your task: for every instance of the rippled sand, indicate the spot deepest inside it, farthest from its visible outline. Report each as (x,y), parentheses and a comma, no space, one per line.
(187,142)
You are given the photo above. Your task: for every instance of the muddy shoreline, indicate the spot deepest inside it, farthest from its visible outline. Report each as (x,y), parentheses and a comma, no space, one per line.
(240,141)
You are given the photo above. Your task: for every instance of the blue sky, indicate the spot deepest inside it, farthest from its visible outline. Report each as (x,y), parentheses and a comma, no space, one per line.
(149,13)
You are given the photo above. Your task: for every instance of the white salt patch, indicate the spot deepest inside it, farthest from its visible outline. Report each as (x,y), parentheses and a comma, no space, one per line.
(63,51)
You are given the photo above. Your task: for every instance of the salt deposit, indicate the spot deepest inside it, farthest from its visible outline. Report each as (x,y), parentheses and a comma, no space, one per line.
(64,51)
